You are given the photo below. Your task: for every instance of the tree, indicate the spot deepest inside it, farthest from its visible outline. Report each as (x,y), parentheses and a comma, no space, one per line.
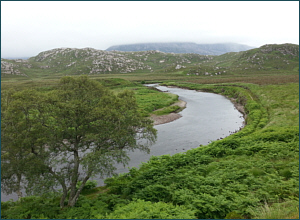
(77,131)
(18,136)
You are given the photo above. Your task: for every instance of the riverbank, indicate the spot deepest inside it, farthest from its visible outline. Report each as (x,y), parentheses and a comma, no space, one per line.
(162,119)
(239,107)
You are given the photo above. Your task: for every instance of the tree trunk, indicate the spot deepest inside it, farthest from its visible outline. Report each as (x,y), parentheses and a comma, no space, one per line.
(63,185)
(18,191)
(73,200)
(74,178)
(63,197)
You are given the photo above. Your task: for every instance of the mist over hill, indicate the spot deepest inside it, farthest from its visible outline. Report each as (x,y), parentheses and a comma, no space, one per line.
(181,47)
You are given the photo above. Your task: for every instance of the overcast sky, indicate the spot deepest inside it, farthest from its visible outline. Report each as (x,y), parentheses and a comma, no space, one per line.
(30,27)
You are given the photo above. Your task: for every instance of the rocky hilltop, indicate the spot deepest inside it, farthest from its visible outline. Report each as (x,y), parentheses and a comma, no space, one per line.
(202,49)
(88,61)
(281,58)
(12,67)
(92,61)
(270,56)
(72,61)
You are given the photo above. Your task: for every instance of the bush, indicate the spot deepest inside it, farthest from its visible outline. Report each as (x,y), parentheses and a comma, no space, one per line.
(31,207)
(85,209)
(146,210)
(286,173)
(90,184)
(155,193)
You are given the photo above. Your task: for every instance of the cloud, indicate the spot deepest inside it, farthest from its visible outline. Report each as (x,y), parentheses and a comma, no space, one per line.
(30,27)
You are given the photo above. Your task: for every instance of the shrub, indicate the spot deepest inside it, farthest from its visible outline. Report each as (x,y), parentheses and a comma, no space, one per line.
(155,193)
(146,210)
(286,173)
(31,207)
(112,200)
(90,184)
(85,209)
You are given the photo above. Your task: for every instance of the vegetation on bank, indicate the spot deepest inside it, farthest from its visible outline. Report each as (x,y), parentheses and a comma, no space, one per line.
(251,174)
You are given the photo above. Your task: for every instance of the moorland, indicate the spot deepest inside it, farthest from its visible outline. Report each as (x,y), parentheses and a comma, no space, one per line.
(253,173)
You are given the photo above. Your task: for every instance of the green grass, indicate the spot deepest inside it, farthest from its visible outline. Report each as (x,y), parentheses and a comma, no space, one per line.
(167,110)
(284,210)
(282,103)
(150,100)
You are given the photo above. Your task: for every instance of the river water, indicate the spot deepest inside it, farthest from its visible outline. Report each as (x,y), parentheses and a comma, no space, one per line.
(207,117)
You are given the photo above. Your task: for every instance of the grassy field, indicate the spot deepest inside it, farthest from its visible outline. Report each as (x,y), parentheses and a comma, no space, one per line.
(251,174)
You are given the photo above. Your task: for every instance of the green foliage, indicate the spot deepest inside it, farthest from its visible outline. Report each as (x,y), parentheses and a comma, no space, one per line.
(155,193)
(150,100)
(84,209)
(31,207)
(118,83)
(140,209)
(112,200)
(90,184)
(48,207)
(167,110)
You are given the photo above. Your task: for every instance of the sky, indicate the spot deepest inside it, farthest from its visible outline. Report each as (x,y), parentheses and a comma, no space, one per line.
(31,27)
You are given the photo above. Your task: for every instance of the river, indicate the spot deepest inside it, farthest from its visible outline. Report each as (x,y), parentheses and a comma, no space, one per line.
(207,117)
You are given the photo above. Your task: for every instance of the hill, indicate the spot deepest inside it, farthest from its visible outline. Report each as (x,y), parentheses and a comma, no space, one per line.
(282,58)
(71,61)
(271,58)
(202,49)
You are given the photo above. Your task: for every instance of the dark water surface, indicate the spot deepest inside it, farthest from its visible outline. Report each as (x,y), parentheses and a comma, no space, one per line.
(207,117)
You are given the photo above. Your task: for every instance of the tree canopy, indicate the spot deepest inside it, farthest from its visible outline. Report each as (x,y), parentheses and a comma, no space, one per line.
(76,131)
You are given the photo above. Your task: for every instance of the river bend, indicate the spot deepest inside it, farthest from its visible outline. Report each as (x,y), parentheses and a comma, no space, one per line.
(207,117)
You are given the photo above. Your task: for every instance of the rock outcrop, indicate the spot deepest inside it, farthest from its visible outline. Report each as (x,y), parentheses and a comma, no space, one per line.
(12,67)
